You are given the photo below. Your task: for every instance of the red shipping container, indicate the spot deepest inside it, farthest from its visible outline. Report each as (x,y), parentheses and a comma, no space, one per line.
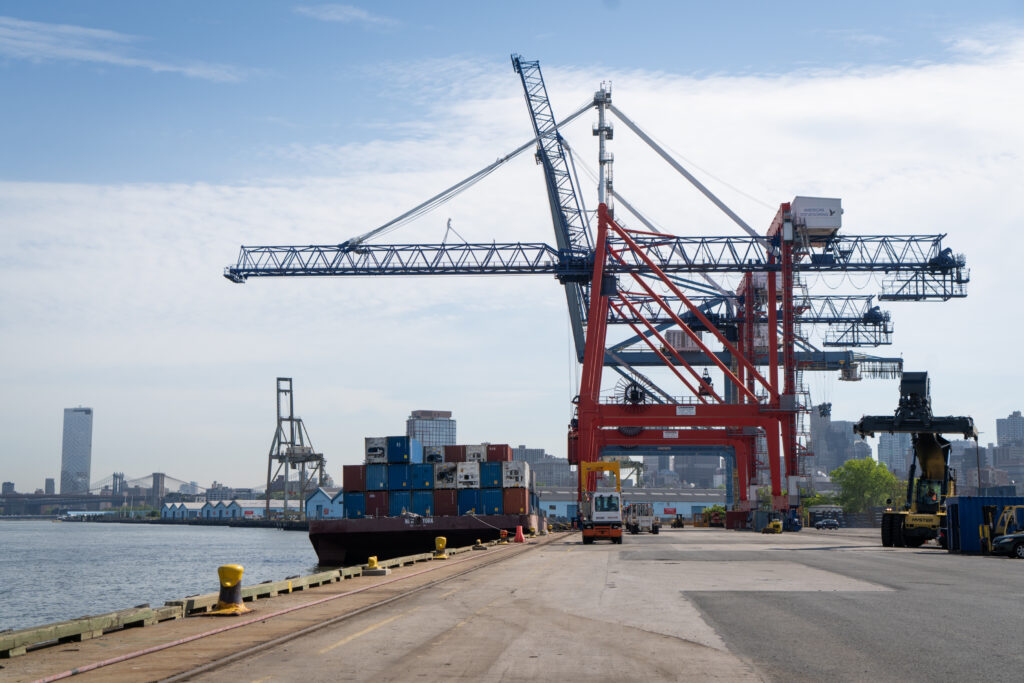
(455,454)
(499,452)
(446,502)
(516,501)
(353,478)
(376,503)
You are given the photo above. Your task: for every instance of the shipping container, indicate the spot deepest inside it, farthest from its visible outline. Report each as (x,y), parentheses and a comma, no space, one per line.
(468,475)
(476,453)
(433,454)
(515,474)
(491,501)
(422,476)
(455,454)
(446,475)
(469,501)
(399,502)
(399,478)
(446,502)
(515,501)
(353,478)
(423,503)
(355,505)
(499,452)
(377,504)
(404,449)
(376,450)
(490,475)
(376,477)
(965,515)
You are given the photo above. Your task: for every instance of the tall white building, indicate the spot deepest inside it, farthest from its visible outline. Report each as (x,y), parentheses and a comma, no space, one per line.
(76,453)
(431,427)
(894,452)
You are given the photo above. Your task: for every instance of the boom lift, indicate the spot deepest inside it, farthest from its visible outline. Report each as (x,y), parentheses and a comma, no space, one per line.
(600,511)
(924,513)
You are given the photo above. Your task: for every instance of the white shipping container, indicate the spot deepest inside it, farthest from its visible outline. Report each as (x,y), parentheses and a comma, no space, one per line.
(445,475)
(468,475)
(476,453)
(433,454)
(376,450)
(515,474)
(681,341)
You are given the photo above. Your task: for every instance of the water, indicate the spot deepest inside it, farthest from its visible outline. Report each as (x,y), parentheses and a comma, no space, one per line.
(53,571)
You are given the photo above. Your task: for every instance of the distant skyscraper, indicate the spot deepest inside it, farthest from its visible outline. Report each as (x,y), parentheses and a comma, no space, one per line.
(893,452)
(49,487)
(7,488)
(1010,429)
(431,427)
(76,455)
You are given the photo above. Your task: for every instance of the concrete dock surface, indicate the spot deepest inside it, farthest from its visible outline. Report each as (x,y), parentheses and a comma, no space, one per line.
(690,604)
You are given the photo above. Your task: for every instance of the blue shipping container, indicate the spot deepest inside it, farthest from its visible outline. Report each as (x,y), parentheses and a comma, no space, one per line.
(399,478)
(402,449)
(376,477)
(423,503)
(469,501)
(490,475)
(355,505)
(491,500)
(422,476)
(964,518)
(399,502)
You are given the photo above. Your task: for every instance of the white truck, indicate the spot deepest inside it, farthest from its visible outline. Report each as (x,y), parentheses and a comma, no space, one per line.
(638,517)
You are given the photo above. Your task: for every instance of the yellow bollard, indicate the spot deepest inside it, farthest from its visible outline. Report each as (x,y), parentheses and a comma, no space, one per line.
(371,562)
(440,543)
(229,602)
(479,545)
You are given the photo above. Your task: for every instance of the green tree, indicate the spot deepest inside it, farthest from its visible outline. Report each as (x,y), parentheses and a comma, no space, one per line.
(818,499)
(864,484)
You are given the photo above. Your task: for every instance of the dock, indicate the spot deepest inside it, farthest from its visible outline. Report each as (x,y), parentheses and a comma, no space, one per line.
(685,604)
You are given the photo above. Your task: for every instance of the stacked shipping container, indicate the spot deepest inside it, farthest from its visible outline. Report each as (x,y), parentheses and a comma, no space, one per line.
(400,475)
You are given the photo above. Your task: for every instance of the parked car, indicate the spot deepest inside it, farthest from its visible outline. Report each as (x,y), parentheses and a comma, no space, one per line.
(1011,545)
(826,524)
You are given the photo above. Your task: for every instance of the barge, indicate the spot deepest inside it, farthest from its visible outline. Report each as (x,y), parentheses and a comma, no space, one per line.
(345,542)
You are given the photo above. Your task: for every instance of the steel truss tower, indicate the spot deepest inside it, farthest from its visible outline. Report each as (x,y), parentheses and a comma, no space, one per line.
(291,449)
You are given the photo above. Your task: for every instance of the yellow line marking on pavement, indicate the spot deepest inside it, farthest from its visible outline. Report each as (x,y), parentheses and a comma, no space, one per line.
(451,592)
(368,629)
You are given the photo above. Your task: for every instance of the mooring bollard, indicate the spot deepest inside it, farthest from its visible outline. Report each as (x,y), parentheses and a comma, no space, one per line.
(373,569)
(440,543)
(229,602)
(479,545)
(503,537)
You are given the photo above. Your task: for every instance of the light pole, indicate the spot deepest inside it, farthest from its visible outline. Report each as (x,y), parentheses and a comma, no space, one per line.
(977,455)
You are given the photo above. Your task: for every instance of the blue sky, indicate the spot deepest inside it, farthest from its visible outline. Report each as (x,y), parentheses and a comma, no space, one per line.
(143,142)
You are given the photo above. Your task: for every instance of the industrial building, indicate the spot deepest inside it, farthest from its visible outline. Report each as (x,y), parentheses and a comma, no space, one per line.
(76,451)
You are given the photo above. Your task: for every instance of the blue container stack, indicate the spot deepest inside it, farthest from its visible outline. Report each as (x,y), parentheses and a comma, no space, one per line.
(399,478)
(399,502)
(376,477)
(423,503)
(469,501)
(355,505)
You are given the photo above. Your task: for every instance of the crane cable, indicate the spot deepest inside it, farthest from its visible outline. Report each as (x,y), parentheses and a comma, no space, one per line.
(445,195)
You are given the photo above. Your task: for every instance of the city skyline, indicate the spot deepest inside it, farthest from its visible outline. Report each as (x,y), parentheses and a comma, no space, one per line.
(145,143)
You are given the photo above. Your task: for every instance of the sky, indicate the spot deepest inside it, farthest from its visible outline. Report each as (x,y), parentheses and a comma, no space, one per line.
(142,143)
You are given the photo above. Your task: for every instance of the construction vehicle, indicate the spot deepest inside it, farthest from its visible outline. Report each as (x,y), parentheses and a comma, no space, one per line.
(677,523)
(600,511)
(639,517)
(922,517)
(774,526)
(1002,536)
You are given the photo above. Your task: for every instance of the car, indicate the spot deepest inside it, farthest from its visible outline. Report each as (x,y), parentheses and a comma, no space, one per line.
(1011,545)
(826,524)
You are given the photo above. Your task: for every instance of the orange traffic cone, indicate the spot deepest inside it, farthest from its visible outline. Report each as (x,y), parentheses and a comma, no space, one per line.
(519,535)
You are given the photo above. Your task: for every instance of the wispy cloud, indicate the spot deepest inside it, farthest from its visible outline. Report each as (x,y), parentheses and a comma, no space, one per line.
(859,37)
(344,14)
(37,41)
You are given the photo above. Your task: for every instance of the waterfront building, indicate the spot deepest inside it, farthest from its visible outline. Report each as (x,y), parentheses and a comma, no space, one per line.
(1010,429)
(325,503)
(7,488)
(894,452)
(833,441)
(49,488)
(76,452)
(431,427)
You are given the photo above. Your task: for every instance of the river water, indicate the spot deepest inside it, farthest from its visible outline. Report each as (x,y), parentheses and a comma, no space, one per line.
(52,571)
